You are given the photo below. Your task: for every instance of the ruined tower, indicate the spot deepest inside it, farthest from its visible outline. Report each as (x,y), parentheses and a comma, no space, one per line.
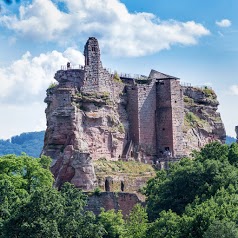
(96,78)
(169,115)
(141,112)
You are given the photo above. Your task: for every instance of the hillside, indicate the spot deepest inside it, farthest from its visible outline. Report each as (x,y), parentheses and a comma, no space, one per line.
(30,143)
(230,140)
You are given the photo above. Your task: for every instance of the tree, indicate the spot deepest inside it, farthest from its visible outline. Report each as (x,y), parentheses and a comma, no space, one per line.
(214,151)
(222,229)
(26,173)
(201,177)
(19,177)
(53,213)
(233,154)
(113,223)
(38,217)
(168,225)
(76,222)
(136,223)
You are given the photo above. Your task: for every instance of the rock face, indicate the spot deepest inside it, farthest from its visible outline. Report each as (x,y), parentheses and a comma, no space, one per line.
(202,122)
(95,116)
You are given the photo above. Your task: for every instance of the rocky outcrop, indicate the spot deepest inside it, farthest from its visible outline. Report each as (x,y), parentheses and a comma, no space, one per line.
(202,123)
(81,128)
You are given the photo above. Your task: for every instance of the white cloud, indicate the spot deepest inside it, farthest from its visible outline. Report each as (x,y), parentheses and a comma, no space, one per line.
(234,89)
(27,79)
(119,32)
(223,23)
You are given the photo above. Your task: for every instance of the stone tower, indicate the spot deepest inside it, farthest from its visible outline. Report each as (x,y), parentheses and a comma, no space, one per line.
(169,115)
(96,78)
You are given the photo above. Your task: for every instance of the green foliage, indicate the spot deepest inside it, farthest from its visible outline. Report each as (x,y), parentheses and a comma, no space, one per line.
(192,120)
(187,99)
(19,177)
(116,78)
(136,223)
(222,229)
(113,223)
(184,181)
(233,154)
(52,213)
(26,173)
(209,92)
(214,151)
(196,198)
(52,85)
(97,191)
(167,226)
(103,166)
(121,128)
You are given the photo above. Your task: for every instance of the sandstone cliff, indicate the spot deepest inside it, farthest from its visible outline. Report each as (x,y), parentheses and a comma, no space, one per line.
(82,127)
(202,122)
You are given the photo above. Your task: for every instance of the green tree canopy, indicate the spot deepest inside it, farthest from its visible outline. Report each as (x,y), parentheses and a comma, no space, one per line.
(200,177)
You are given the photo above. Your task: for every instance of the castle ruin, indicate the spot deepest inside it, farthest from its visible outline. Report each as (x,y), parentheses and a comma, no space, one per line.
(93,114)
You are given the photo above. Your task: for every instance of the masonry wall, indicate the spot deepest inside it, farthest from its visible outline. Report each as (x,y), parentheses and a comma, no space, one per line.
(70,78)
(133,113)
(164,117)
(108,200)
(177,117)
(146,110)
(96,77)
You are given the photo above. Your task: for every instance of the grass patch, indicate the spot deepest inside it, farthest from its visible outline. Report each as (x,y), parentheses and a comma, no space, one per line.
(192,120)
(187,99)
(133,168)
(52,85)
(117,78)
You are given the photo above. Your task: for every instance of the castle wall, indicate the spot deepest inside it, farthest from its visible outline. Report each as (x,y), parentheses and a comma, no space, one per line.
(108,200)
(164,117)
(177,117)
(146,109)
(70,78)
(133,113)
(170,117)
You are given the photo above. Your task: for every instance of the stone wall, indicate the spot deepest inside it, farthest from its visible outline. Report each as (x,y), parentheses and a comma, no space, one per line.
(108,200)
(146,109)
(177,117)
(70,78)
(164,117)
(96,78)
(133,113)
(170,117)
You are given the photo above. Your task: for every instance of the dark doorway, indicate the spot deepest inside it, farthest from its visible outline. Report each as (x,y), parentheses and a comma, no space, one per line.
(107,186)
(122,186)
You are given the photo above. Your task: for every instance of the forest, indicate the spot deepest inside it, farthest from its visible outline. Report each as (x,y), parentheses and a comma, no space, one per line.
(30,143)
(197,197)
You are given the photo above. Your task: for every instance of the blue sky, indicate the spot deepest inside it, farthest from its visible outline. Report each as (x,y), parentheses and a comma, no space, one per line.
(195,40)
